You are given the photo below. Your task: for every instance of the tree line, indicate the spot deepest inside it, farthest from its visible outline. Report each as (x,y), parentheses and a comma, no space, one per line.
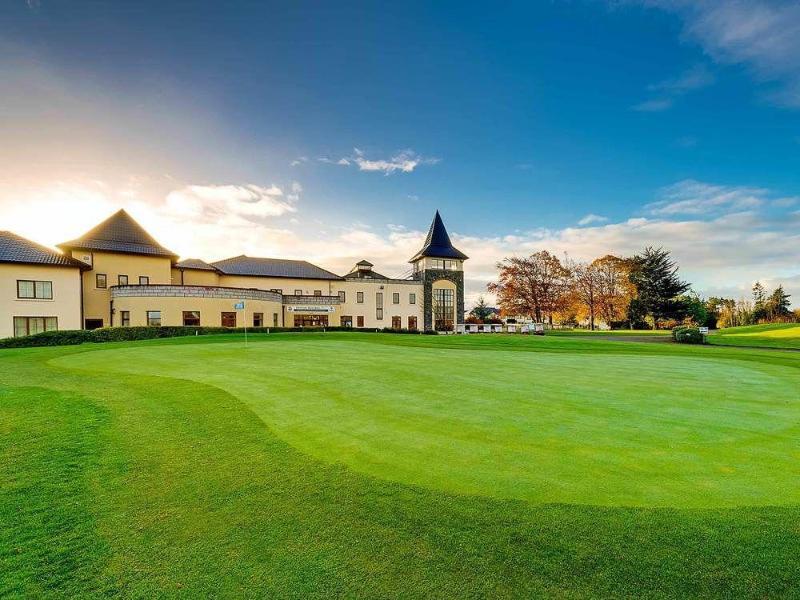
(641,291)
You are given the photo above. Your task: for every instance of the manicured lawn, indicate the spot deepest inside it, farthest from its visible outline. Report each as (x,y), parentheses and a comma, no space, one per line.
(777,335)
(377,465)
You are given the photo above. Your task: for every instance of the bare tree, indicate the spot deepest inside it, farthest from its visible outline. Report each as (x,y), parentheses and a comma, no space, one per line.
(586,281)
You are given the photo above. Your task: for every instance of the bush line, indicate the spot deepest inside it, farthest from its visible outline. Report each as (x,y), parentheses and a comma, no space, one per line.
(127,334)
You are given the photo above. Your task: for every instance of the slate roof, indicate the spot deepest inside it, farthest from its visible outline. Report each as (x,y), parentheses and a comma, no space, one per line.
(196,264)
(119,233)
(272,267)
(17,249)
(437,244)
(356,274)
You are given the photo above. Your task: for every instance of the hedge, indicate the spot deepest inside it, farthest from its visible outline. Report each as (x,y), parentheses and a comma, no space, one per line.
(684,334)
(127,334)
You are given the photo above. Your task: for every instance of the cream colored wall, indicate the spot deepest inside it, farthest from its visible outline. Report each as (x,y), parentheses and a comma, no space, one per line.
(211,310)
(443,284)
(65,305)
(196,277)
(96,301)
(350,308)
(368,309)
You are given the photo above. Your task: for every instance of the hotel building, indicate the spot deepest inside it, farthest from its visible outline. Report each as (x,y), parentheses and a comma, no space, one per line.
(118,275)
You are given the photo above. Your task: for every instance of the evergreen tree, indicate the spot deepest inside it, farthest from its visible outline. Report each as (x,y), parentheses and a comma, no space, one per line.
(759,302)
(655,277)
(777,305)
(481,311)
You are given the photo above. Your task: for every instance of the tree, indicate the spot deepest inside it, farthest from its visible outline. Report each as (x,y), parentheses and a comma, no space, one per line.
(777,305)
(615,289)
(533,286)
(697,310)
(759,302)
(655,276)
(586,287)
(481,311)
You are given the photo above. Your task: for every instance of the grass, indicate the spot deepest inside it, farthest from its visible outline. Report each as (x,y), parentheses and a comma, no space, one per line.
(380,466)
(776,335)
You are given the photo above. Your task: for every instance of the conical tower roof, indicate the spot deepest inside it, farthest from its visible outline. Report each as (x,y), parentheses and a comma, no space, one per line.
(119,233)
(438,244)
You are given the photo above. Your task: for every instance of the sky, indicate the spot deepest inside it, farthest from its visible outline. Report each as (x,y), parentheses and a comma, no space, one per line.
(333,131)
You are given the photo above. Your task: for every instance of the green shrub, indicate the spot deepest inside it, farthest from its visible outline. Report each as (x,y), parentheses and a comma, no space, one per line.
(689,335)
(48,338)
(129,334)
(675,331)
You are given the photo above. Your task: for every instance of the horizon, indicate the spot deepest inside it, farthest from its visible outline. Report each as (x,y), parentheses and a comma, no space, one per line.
(585,128)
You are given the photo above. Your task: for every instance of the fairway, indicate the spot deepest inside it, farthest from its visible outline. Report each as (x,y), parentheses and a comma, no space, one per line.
(636,430)
(318,465)
(775,335)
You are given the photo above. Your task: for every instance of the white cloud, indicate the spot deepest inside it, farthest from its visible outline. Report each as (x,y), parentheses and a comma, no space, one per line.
(592,218)
(762,35)
(669,90)
(690,197)
(298,161)
(404,161)
(230,203)
(657,105)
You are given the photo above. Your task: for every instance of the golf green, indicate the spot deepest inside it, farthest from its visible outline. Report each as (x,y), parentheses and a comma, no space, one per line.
(360,465)
(548,427)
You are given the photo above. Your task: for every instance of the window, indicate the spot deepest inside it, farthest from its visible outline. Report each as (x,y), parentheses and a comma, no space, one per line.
(447,265)
(122,280)
(311,320)
(274,319)
(443,309)
(125,318)
(29,325)
(258,319)
(396,298)
(100,281)
(191,318)
(379,306)
(397,323)
(298,292)
(144,280)
(360,321)
(154,318)
(229,319)
(412,298)
(346,321)
(342,296)
(412,323)
(360,297)
(40,290)
(318,292)
(93,324)
(277,290)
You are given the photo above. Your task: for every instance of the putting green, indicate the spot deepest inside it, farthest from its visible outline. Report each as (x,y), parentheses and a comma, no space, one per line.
(581,428)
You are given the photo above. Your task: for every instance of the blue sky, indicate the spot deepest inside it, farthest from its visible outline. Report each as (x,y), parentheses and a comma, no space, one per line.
(332,131)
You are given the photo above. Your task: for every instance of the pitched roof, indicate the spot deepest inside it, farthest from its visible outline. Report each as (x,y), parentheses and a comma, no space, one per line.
(272,267)
(119,233)
(196,264)
(364,263)
(438,244)
(365,274)
(17,249)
